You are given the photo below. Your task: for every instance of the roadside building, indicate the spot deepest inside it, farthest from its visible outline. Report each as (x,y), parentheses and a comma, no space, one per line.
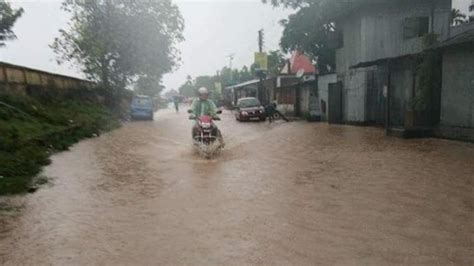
(292,94)
(293,88)
(376,61)
(242,90)
(457,91)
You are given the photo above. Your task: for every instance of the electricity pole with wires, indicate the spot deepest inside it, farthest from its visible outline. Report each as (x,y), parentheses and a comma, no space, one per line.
(260,40)
(261,70)
(231,58)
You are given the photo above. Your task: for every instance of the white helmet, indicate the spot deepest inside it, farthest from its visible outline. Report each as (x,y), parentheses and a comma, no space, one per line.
(203,90)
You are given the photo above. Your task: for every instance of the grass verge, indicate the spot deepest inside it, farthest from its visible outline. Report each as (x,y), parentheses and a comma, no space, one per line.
(31,129)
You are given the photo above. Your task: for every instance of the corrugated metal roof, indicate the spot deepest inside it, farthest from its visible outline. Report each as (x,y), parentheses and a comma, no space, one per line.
(381,61)
(464,37)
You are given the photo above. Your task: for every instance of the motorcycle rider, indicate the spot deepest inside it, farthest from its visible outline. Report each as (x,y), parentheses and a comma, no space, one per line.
(204,106)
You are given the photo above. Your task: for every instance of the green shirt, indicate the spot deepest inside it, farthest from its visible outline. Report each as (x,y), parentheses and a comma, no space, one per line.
(204,107)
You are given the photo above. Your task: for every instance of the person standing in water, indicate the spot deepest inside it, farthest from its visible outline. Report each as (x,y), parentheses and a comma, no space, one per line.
(176,103)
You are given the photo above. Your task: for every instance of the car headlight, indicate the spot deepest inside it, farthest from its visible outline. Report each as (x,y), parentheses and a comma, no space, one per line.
(244,113)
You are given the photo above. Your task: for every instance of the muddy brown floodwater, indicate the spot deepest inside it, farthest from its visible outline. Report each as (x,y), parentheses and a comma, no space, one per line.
(282,194)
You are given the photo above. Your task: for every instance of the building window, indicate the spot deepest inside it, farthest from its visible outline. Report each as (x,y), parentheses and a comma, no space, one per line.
(416,27)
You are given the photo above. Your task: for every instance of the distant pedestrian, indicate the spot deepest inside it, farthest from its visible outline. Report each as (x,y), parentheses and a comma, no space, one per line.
(176,103)
(270,111)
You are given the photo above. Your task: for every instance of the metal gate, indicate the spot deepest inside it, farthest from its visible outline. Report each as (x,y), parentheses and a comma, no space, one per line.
(375,104)
(335,103)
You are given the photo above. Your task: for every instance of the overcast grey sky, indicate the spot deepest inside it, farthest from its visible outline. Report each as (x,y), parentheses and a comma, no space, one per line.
(213,30)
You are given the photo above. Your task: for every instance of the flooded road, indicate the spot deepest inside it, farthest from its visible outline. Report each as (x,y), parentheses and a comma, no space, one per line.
(282,194)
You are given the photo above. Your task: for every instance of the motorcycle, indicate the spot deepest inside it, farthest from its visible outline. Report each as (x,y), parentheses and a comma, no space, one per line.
(205,138)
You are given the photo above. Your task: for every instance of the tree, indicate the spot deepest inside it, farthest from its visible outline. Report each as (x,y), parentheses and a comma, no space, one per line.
(205,81)
(119,42)
(309,29)
(245,74)
(148,85)
(289,3)
(227,77)
(8,17)
(457,18)
(171,93)
(276,60)
(471,9)
(187,89)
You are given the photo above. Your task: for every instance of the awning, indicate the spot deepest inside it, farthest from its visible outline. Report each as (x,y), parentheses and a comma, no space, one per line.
(244,84)
(381,61)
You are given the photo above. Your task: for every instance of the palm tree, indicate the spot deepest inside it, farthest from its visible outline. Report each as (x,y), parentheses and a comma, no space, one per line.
(458,18)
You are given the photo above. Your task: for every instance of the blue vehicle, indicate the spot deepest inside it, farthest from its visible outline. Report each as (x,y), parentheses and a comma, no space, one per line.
(142,107)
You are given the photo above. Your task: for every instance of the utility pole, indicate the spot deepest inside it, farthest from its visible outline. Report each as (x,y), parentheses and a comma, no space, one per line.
(231,58)
(260,73)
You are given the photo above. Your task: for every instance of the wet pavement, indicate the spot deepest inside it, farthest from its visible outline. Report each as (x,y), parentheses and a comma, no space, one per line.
(282,194)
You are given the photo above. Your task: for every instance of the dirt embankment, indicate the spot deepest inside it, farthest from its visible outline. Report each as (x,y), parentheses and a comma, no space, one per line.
(32,128)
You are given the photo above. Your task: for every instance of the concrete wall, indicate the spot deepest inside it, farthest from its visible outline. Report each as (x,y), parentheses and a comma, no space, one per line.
(457,94)
(18,79)
(323,88)
(352,80)
(350,53)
